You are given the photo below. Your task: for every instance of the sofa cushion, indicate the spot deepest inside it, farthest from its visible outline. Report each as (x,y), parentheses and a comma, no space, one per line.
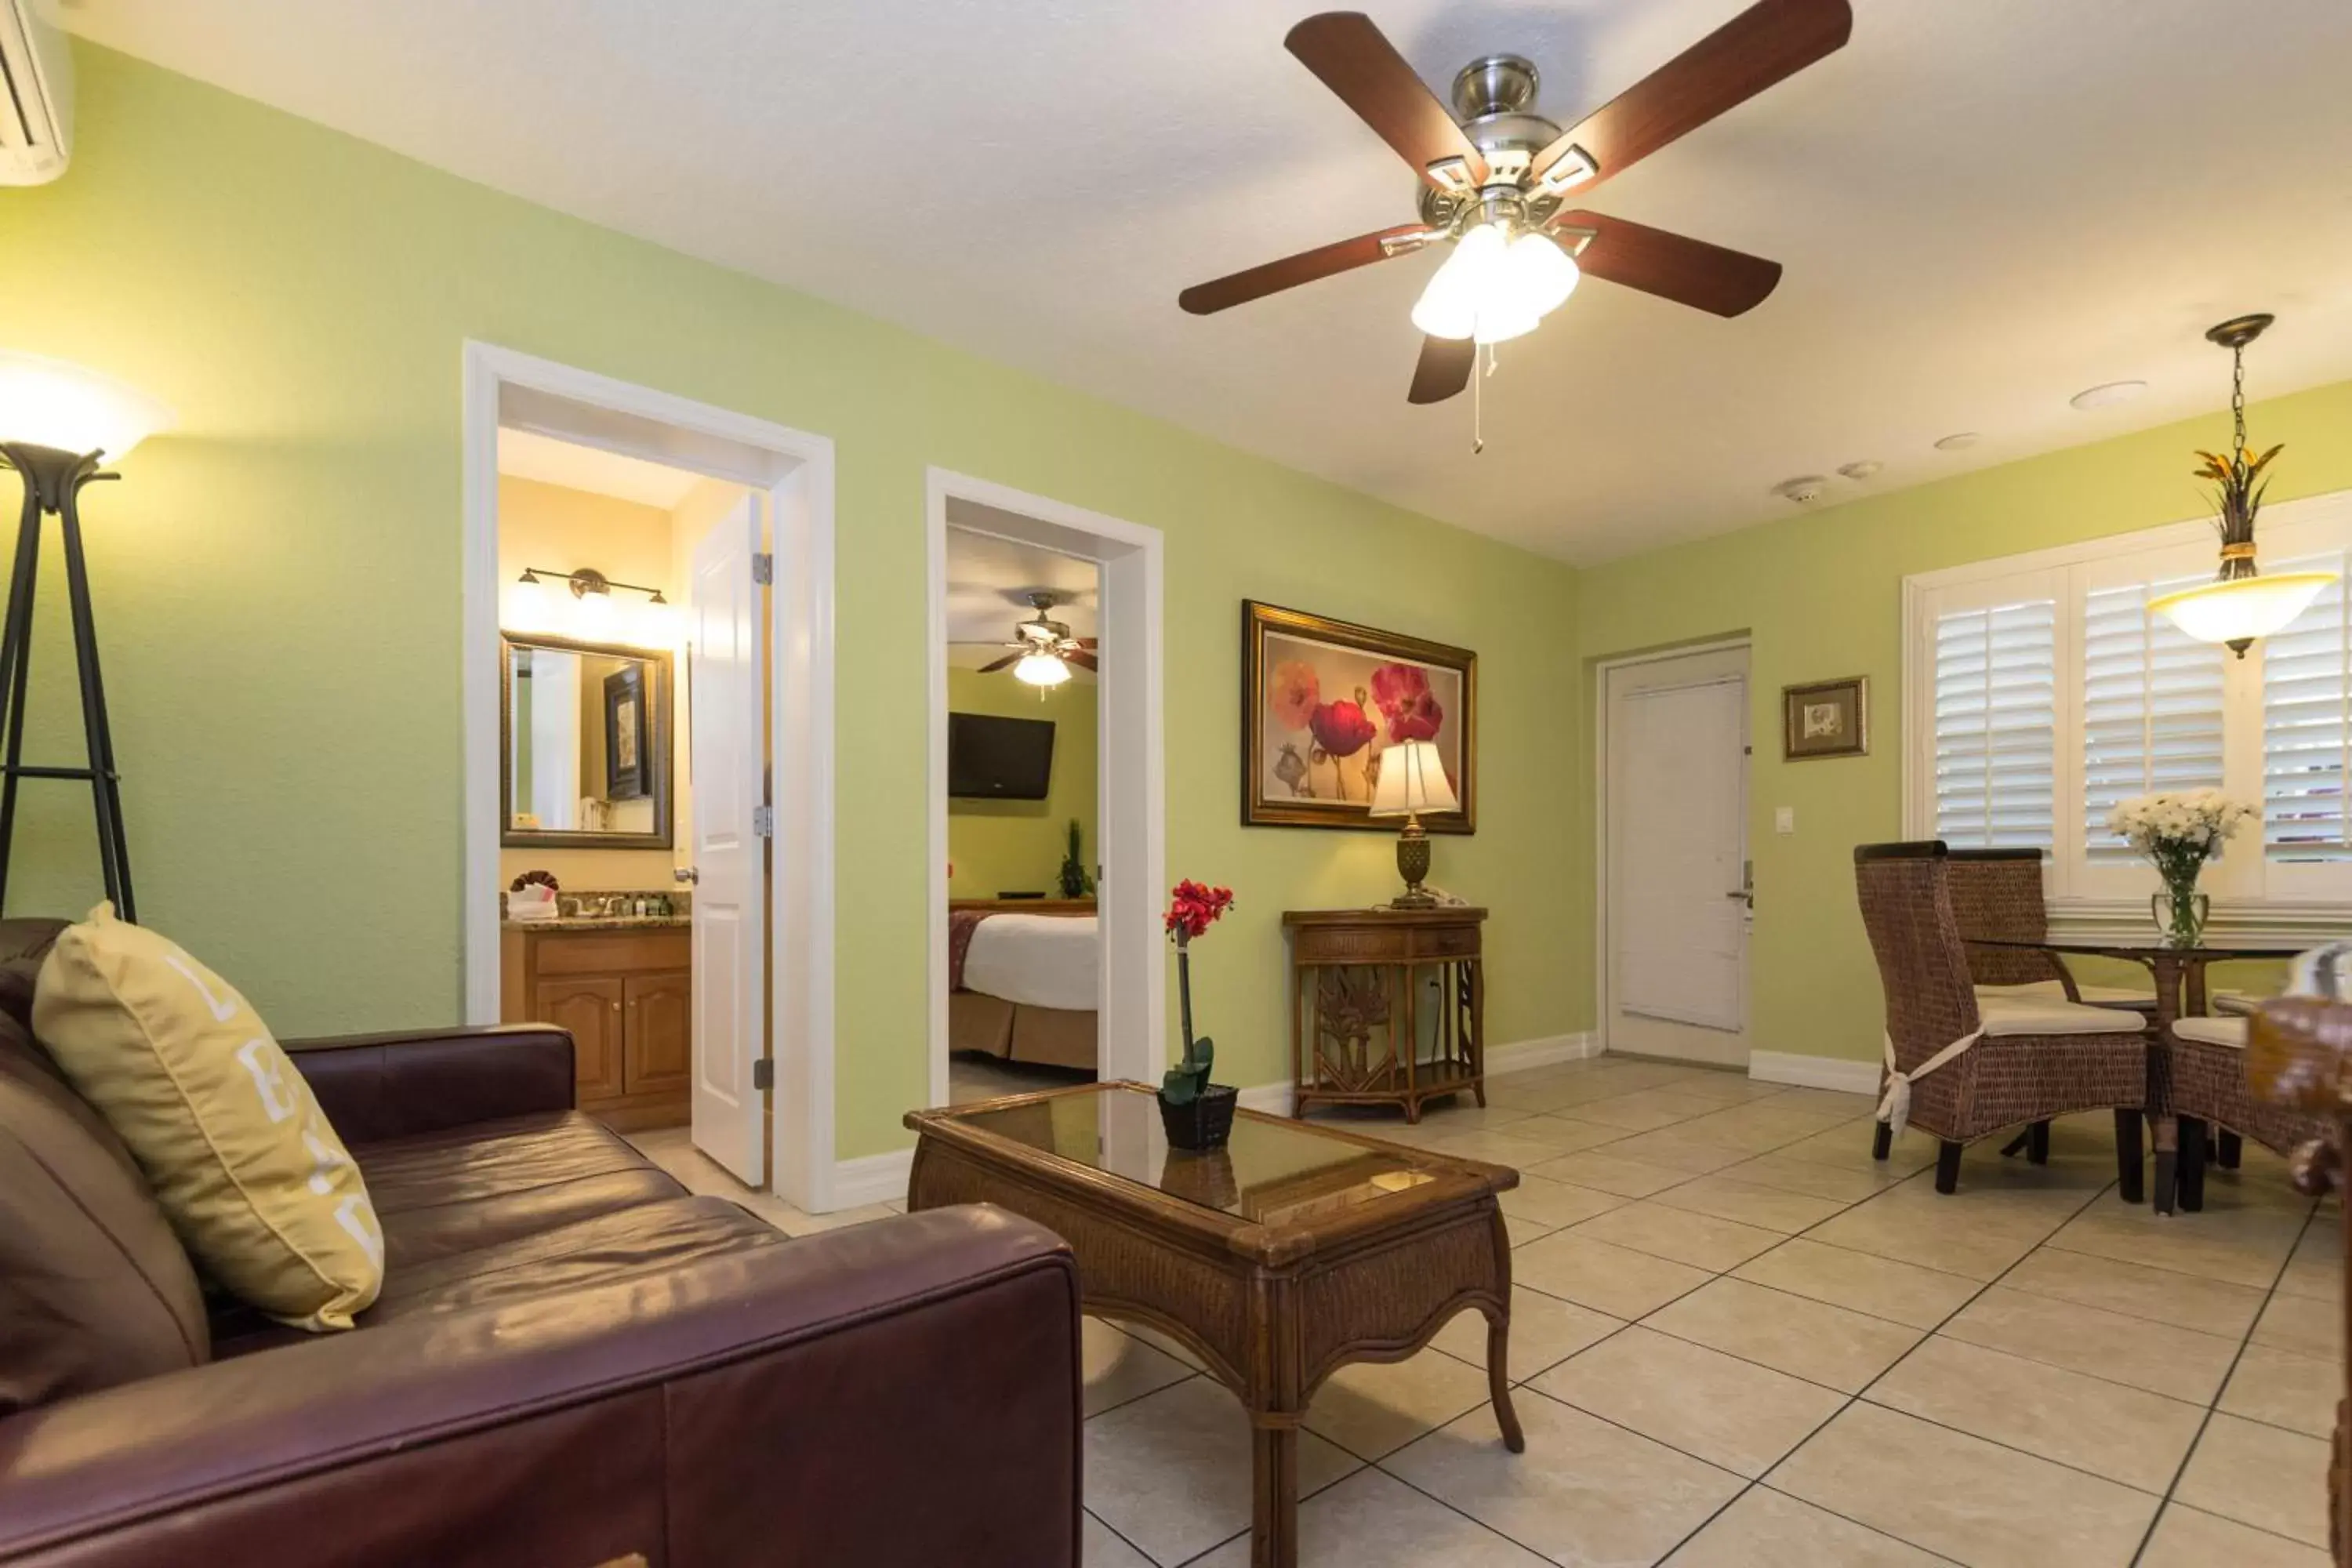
(646,1240)
(94,1288)
(258,1186)
(478,1186)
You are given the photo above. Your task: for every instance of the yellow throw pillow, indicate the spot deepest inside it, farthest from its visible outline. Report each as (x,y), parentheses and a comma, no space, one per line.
(258,1186)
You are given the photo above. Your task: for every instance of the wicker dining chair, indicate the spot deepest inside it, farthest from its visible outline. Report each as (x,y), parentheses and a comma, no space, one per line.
(2036,1058)
(1997,896)
(2201,1080)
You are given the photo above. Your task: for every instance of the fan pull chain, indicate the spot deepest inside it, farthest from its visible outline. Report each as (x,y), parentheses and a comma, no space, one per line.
(1479,395)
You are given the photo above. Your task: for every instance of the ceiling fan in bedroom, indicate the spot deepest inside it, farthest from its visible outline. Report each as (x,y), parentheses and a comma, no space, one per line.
(1043,650)
(1497,183)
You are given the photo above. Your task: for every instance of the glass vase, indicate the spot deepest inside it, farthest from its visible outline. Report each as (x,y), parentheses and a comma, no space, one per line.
(2181,912)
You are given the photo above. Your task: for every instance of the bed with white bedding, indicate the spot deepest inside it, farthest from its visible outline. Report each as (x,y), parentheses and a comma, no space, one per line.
(1024,988)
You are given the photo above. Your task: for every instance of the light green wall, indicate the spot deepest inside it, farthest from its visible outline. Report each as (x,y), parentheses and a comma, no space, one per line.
(1005,845)
(1820,594)
(278,583)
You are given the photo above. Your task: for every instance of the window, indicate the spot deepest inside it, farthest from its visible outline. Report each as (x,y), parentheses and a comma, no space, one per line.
(1994,718)
(2039,692)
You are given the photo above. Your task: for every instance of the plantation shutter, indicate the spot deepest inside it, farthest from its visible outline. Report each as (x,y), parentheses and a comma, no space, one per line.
(2152,708)
(1996,724)
(2307,726)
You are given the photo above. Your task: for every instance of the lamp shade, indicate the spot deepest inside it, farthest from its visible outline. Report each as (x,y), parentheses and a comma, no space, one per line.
(1041,670)
(48,403)
(1412,779)
(2243,608)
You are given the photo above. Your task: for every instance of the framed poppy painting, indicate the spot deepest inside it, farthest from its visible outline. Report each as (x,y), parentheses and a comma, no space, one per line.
(1322,699)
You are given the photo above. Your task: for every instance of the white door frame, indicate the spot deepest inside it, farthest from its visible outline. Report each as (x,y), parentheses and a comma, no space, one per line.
(1601,669)
(795,471)
(1133,822)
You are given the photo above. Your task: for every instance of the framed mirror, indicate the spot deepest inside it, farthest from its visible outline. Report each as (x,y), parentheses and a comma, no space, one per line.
(584,745)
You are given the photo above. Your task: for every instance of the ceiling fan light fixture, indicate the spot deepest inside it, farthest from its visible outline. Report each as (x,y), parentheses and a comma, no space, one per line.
(1041,670)
(1496,285)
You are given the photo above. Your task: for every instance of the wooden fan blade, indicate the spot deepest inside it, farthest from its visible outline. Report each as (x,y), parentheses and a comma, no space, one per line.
(1767,43)
(1009,660)
(1344,256)
(1354,59)
(1671,265)
(1082,660)
(1444,369)
(1085,642)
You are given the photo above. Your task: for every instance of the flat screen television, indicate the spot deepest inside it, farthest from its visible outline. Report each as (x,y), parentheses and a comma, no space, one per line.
(990,758)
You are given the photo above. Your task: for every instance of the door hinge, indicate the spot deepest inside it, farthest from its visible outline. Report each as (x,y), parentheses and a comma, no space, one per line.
(763,567)
(763,822)
(763,1073)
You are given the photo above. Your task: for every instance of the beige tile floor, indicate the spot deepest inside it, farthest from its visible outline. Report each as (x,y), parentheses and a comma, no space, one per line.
(1736,1339)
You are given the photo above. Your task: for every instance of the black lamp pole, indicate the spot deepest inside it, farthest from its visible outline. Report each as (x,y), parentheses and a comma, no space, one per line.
(53,482)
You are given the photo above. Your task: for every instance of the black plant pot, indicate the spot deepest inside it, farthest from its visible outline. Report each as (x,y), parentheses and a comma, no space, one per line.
(1205,1122)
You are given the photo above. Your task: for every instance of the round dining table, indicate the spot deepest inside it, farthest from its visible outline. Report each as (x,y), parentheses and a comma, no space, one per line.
(2180,993)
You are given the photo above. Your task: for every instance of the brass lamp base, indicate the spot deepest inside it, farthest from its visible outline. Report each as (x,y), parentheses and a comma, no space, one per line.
(1413,865)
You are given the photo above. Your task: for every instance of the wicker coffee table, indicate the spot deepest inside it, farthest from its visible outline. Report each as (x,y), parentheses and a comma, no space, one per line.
(1287,1253)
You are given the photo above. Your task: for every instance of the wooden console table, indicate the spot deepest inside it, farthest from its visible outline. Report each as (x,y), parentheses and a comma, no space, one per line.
(1355,1020)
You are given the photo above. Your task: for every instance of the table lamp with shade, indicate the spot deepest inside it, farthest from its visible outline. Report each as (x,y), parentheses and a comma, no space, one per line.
(58,424)
(1413,780)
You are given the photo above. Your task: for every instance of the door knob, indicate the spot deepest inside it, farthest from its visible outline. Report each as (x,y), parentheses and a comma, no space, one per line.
(687,874)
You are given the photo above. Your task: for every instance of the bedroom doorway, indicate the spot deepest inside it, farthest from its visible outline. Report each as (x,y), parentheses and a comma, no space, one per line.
(1045,798)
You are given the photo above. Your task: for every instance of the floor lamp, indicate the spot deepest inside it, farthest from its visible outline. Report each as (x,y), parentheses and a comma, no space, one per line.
(57,423)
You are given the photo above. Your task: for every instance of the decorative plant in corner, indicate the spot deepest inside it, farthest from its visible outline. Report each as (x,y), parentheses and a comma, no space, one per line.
(1196,1113)
(1076,883)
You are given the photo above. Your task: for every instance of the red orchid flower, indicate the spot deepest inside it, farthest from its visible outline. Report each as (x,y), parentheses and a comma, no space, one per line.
(1194,906)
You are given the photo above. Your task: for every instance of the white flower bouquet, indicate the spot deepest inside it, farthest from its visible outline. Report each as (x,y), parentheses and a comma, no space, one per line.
(2178,833)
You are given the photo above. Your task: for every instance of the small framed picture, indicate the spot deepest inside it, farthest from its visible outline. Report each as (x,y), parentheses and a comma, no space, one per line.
(1825,719)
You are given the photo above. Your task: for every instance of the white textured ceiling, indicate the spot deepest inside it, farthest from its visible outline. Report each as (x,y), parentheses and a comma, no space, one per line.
(527,455)
(1984,206)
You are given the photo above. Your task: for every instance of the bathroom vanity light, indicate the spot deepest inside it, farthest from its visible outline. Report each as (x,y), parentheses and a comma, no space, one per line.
(595,612)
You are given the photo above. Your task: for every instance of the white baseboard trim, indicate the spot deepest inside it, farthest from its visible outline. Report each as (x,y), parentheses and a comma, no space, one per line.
(1521,1055)
(1841,1073)
(874,1179)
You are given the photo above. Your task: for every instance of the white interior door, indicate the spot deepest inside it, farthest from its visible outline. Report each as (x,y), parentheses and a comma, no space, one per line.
(1677,842)
(726,656)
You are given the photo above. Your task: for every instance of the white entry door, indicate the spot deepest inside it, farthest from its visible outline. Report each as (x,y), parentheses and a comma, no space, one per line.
(1676,883)
(727,747)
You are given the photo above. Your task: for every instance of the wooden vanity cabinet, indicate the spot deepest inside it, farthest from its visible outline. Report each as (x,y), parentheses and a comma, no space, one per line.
(627,997)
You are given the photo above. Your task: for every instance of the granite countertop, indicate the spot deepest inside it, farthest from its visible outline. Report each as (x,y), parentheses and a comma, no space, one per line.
(603,923)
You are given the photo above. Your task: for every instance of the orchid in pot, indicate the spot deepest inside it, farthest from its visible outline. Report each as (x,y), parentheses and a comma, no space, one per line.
(2177,833)
(1196,1113)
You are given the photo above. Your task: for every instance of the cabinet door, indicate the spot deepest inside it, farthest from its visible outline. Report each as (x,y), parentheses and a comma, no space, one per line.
(589,1006)
(660,1052)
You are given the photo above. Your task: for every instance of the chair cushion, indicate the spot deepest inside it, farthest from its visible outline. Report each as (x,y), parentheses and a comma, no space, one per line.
(258,1186)
(489,1183)
(2239,1003)
(2037,1016)
(2052,991)
(94,1288)
(2230,1032)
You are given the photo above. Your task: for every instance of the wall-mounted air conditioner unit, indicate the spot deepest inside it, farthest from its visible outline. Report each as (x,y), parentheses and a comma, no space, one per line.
(35,97)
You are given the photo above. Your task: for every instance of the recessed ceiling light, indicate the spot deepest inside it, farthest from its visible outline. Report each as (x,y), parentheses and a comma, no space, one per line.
(1959,443)
(1861,470)
(2107,393)
(1804,489)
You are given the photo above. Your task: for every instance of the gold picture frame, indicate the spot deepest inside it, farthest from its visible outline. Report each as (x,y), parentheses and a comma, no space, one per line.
(1825,719)
(1322,699)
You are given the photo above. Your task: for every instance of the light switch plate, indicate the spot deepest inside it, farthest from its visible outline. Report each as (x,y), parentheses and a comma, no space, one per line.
(1784,819)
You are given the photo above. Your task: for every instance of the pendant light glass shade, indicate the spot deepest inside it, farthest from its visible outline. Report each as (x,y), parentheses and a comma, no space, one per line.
(1041,670)
(529,605)
(1495,286)
(2244,608)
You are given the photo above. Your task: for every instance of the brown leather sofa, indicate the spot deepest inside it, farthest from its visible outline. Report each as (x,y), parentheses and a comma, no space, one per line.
(574,1363)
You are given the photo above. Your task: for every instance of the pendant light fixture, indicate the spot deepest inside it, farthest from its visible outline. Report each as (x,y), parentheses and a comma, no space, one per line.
(2240,605)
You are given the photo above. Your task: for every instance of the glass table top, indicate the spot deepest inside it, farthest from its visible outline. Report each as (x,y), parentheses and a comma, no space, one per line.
(2155,946)
(1270,1172)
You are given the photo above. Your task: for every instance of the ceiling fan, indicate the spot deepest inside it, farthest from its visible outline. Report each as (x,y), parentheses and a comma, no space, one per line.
(1496,183)
(1042,649)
